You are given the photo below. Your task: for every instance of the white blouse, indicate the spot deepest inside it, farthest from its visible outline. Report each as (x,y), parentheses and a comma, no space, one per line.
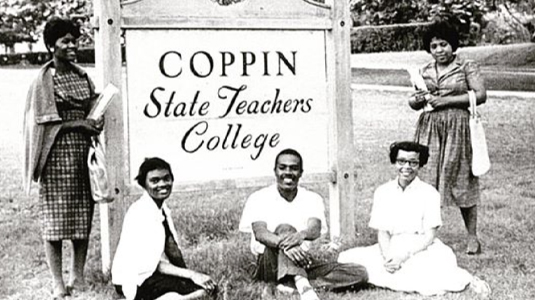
(409,211)
(141,245)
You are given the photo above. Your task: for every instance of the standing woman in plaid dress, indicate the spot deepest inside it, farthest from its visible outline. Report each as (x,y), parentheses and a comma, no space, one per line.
(57,137)
(443,125)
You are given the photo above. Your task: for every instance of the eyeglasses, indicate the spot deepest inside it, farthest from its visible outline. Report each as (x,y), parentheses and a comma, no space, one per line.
(412,163)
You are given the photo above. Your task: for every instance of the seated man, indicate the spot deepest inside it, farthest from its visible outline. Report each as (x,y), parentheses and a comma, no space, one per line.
(283,219)
(148,263)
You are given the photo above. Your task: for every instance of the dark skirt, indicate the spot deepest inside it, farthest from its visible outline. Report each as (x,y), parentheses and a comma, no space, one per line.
(447,134)
(159,284)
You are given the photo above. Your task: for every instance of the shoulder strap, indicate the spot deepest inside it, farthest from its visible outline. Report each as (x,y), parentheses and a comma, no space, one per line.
(473,103)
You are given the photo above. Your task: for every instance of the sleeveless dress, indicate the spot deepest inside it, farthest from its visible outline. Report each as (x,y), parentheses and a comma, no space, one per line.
(447,134)
(66,206)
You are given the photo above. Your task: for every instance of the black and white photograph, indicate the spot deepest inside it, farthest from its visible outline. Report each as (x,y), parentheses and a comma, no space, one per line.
(267,149)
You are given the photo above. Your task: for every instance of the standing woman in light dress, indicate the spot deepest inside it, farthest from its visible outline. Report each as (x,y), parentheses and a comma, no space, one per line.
(443,125)
(406,214)
(57,138)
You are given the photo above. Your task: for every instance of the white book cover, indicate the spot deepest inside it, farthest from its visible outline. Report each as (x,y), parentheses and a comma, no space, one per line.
(103,101)
(419,84)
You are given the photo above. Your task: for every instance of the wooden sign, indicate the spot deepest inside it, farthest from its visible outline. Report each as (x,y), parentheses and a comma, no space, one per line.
(228,107)
(219,87)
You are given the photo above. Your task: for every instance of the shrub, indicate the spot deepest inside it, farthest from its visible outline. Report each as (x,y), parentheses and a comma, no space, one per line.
(503,28)
(387,12)
(9,59)
(466,15)
(84,56)
(37,58)
(402,37)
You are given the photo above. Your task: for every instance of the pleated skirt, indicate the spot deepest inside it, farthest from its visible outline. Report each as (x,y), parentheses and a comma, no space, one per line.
(447,134)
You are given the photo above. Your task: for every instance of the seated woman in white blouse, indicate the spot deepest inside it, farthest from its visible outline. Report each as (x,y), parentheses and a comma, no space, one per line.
(148,264)
(406,213)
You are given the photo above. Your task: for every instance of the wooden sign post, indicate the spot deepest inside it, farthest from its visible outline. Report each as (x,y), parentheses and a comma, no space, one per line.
(218,88)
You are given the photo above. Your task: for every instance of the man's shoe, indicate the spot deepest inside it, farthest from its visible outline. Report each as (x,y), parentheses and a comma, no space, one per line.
(309,294)
(480,287)
(285,289)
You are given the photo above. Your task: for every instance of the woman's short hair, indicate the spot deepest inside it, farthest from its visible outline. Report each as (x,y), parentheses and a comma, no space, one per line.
(56,28)
(293,152)
(441,30)
(409,147)
(151,164)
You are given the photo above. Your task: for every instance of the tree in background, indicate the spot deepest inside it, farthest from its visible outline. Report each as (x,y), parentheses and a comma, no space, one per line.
(467,15)
(470,16)
(510,21)
(23,20)
(387,12)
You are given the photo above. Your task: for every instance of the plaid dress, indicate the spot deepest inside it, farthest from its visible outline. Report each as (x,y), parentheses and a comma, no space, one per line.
(447,134)
(66,206)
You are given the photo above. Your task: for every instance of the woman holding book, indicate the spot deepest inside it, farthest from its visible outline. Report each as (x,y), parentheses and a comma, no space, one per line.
(57,138)
(443,125)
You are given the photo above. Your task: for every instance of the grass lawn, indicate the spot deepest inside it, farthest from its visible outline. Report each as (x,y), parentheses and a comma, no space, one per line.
(497,80)
(208,220)
(504,67)
(510,57)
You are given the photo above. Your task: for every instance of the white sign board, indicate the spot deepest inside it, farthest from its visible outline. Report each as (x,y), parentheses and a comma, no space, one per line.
(218,88)
(219,105)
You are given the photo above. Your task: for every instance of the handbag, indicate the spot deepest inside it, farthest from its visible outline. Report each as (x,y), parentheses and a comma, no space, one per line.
(480,154)
(98,175)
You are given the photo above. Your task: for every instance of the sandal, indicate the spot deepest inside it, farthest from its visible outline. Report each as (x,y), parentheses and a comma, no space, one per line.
(61,296)
(77,287)
(267,293)
(473,246)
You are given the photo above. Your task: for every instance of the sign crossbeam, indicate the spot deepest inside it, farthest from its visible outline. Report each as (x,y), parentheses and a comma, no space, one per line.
(221,23)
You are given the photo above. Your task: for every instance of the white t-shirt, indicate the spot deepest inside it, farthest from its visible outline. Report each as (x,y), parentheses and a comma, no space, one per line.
(267,205)
(410,211)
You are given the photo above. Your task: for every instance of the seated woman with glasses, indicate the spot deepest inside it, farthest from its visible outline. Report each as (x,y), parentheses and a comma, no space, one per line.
(406,214)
